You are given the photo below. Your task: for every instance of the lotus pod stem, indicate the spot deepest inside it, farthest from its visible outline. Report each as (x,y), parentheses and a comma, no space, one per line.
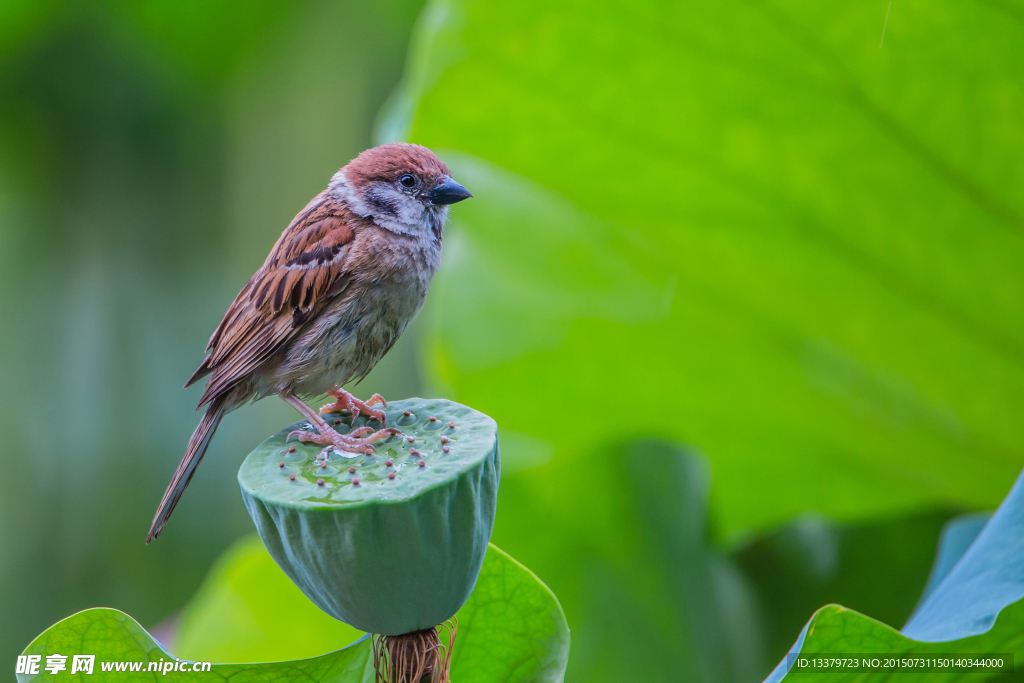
(416,656)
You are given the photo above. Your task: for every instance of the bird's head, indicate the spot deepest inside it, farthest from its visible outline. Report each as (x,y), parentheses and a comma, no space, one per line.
(402,187)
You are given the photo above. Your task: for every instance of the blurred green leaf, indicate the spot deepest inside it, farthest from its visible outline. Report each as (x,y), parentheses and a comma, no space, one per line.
(511,629)
(877,567)
(741,226)
(744,226)
(247,610)
(715,635)
(977,608)
(20,20)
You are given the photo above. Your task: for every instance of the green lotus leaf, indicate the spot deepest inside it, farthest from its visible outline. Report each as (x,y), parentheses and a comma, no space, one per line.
(957,536)
(125,651)
(746,227)
(977,607)
(511,630)
(811,247)
(248,610)
(835,630)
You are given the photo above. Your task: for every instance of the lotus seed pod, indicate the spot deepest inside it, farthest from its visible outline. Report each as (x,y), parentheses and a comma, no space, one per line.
(414,520)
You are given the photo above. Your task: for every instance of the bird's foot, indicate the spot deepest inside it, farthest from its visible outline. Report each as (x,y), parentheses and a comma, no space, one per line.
(346,401)
(358,441)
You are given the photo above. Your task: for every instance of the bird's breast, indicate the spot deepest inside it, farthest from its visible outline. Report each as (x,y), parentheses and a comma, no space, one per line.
(361,324)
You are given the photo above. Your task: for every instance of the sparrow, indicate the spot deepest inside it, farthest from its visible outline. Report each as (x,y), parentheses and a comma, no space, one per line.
(346,276)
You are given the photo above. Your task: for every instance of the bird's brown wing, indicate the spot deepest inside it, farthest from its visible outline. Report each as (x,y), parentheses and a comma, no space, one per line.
(305,269)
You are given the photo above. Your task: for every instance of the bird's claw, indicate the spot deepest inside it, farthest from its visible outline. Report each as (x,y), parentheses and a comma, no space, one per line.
(358,441)
(367,435)
(346,401)
(302,436)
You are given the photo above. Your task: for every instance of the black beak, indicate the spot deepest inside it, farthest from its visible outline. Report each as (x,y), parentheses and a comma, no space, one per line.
(449,192)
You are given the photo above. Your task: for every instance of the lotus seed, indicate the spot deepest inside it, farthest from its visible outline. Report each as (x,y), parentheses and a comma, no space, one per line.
(413,451)
(406,413)
(319,482)
(355,481)
(445,449)
(282,464)
(351,470)
(291,449)
(323,465)
(391,475)
(337,422)
(452,425)
(432,418)
(412,439)
(389,462)
(444,439)
(291,476)
(421,463)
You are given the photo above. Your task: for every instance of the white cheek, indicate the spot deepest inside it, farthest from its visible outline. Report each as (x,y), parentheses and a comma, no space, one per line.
(410,211)
(340,189)
(409,217)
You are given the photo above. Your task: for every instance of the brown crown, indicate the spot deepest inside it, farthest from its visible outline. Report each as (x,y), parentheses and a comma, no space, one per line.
(387,162)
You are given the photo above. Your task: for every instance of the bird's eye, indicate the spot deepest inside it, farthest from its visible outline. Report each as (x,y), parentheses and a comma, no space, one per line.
(408,180)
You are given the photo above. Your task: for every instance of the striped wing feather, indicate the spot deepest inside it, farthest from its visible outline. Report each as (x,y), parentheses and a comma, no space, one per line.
(305,269)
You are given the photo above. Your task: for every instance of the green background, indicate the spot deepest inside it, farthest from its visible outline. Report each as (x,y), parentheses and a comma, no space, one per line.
(150,154)
(742,284)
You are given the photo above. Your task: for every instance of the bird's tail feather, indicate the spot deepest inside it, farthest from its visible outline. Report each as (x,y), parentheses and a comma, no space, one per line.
(193,456)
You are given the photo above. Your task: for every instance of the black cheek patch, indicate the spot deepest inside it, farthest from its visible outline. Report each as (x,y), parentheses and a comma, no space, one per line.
(381,204)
